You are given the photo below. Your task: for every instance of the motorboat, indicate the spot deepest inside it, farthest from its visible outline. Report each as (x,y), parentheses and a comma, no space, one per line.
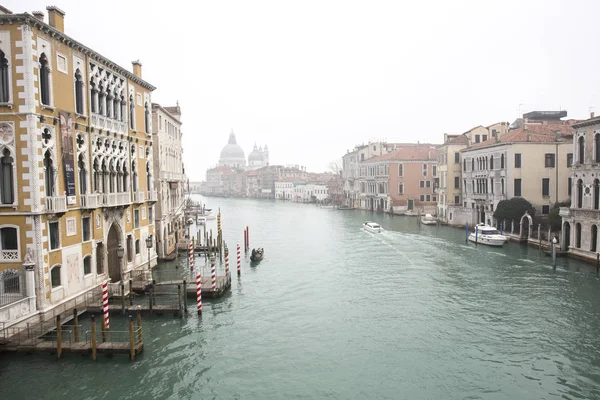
(345,208)
(428,219)
(257,254)
(485,234)
(372,227)
(328,206)
(201,221)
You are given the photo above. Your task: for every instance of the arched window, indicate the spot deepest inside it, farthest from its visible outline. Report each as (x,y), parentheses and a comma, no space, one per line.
(7,195)
(579,193)
(473,185)
(48,174)
(464,165)
(82,175)
(96,176)
(502,181)
(123,112)
(501,161)
(101,101)
(94,97)
(4,82)
(87,265)
(78,92)
(597,147)
(148,176)
(134,177)
(9,243)
(146,118)
(112,178)
(109,104)
(596,194)
(116,107)
(491,162)
(472,164)
(131,112)
(119,177)
(594,238)
(104,176)
(578,235)
(581,154)
(44,79)
(55,276)
(125,178)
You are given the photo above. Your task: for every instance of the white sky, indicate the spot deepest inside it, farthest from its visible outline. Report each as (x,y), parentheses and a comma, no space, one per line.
(314,78)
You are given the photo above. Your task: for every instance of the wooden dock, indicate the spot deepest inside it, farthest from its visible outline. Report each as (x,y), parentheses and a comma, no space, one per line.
(78,347)
(223,284)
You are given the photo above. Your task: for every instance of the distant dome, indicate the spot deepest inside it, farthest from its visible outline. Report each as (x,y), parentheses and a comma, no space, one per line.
(255,155)
(232,151)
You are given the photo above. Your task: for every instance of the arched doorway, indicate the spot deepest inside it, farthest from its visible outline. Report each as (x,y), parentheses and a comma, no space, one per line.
(567,236)
(113,241)
(578,235)
(525,225)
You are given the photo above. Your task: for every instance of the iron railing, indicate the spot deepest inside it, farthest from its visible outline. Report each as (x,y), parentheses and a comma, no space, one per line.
(12,286)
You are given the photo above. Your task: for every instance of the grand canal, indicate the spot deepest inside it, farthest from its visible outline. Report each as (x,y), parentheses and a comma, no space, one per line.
(338,313)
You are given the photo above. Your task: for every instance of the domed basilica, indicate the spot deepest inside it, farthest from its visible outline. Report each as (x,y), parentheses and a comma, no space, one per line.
(233,156)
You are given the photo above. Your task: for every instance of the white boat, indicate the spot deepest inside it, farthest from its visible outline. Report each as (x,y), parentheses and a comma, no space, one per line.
(201,221)
(428,219)
(328,206)
(487,235)
(372,227)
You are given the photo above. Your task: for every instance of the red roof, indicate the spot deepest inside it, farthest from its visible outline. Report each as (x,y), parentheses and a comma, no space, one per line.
(535,133)
(412,152)
(460,139)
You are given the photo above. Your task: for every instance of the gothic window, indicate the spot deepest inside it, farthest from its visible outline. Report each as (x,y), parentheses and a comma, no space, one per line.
(119,178)
(125,178)
(131,112)
(82,175)
(94,97)
(104,175)
(48,174)
(6,178)
(581,149)
(4,82)
(116,107)
(579,193)
(146,119)
(78,92)
(596,194)
(122,112)
(96,176)
(44,80)
(101,101)
(597,147)
(109,105)
(134,177)
(111,179)
(148,177)
(472,164)
(502,161)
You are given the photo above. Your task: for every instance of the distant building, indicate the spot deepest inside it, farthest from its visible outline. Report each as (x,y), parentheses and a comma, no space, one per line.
(258,158)
(232,154)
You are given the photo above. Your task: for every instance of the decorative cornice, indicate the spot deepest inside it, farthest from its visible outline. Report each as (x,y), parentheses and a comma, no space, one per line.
(42,26)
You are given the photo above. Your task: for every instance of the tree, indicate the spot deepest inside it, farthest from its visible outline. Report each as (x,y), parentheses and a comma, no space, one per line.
(554,219)
(513,209)
(335,167)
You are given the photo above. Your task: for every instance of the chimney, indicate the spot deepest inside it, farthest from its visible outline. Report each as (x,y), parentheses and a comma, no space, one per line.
(56,18)
(137,68)
(39,15)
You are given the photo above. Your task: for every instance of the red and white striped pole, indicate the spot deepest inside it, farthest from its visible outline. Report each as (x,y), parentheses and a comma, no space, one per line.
(213,273)
(227,264)
(105,305)
(199,291)
(239,261)
(191,256)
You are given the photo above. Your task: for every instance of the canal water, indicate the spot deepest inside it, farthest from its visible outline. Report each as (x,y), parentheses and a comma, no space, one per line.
(334,312)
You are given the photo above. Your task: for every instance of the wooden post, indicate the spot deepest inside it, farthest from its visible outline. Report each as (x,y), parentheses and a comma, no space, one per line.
(179,299)
(150,298)
(122,297)
(131,340)
(103,330)
(58,337)
(139,324)
(94,338)
(467,232)
(75,326)
(130,292)
(185,295)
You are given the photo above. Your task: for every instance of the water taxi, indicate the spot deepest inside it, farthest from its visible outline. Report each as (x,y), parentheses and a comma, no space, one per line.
(372,227)
(485,234)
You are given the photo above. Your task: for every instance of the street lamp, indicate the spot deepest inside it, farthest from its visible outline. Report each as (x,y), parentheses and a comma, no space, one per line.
(120,252)
(149,246)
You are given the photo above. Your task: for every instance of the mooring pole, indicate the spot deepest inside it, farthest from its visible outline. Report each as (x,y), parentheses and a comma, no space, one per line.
(58,337)
(131,340)
(476,233)
(185,301)
(130,292)
(103,330)
(179,300)
(467,232)
(553,254)
(93,338)
(75,325)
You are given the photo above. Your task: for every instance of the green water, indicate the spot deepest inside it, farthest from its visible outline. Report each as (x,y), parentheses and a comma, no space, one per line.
(334,312)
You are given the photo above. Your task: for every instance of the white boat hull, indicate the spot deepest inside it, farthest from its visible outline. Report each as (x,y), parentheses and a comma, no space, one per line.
(488,240)
(373,230)
(428,222)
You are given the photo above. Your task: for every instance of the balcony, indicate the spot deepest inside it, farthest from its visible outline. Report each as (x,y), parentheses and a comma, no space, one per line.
(116,199)
(56,204)
(91,200)
(9,255)
(139,197)
(109,124)
(152,196)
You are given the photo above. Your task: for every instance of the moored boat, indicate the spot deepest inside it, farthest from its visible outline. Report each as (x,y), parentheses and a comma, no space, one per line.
(428,219)
(488,235)
(372,227)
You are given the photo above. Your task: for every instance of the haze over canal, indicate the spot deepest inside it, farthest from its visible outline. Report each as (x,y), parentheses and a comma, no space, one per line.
(335,312)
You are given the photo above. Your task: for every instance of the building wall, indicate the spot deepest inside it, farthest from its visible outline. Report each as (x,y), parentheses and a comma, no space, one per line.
(412,190)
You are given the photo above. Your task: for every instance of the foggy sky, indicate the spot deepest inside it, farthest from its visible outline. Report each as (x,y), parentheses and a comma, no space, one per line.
(314,78)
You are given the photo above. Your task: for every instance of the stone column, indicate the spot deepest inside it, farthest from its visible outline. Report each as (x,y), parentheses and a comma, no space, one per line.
(29,266)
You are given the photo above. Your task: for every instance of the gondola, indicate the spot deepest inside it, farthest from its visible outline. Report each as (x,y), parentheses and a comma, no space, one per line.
(257,254)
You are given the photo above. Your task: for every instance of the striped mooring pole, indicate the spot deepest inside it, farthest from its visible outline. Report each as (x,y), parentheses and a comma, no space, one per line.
(105,304)
(199,291)
(191,256)
(227,264)
(239,261)
(213,274)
